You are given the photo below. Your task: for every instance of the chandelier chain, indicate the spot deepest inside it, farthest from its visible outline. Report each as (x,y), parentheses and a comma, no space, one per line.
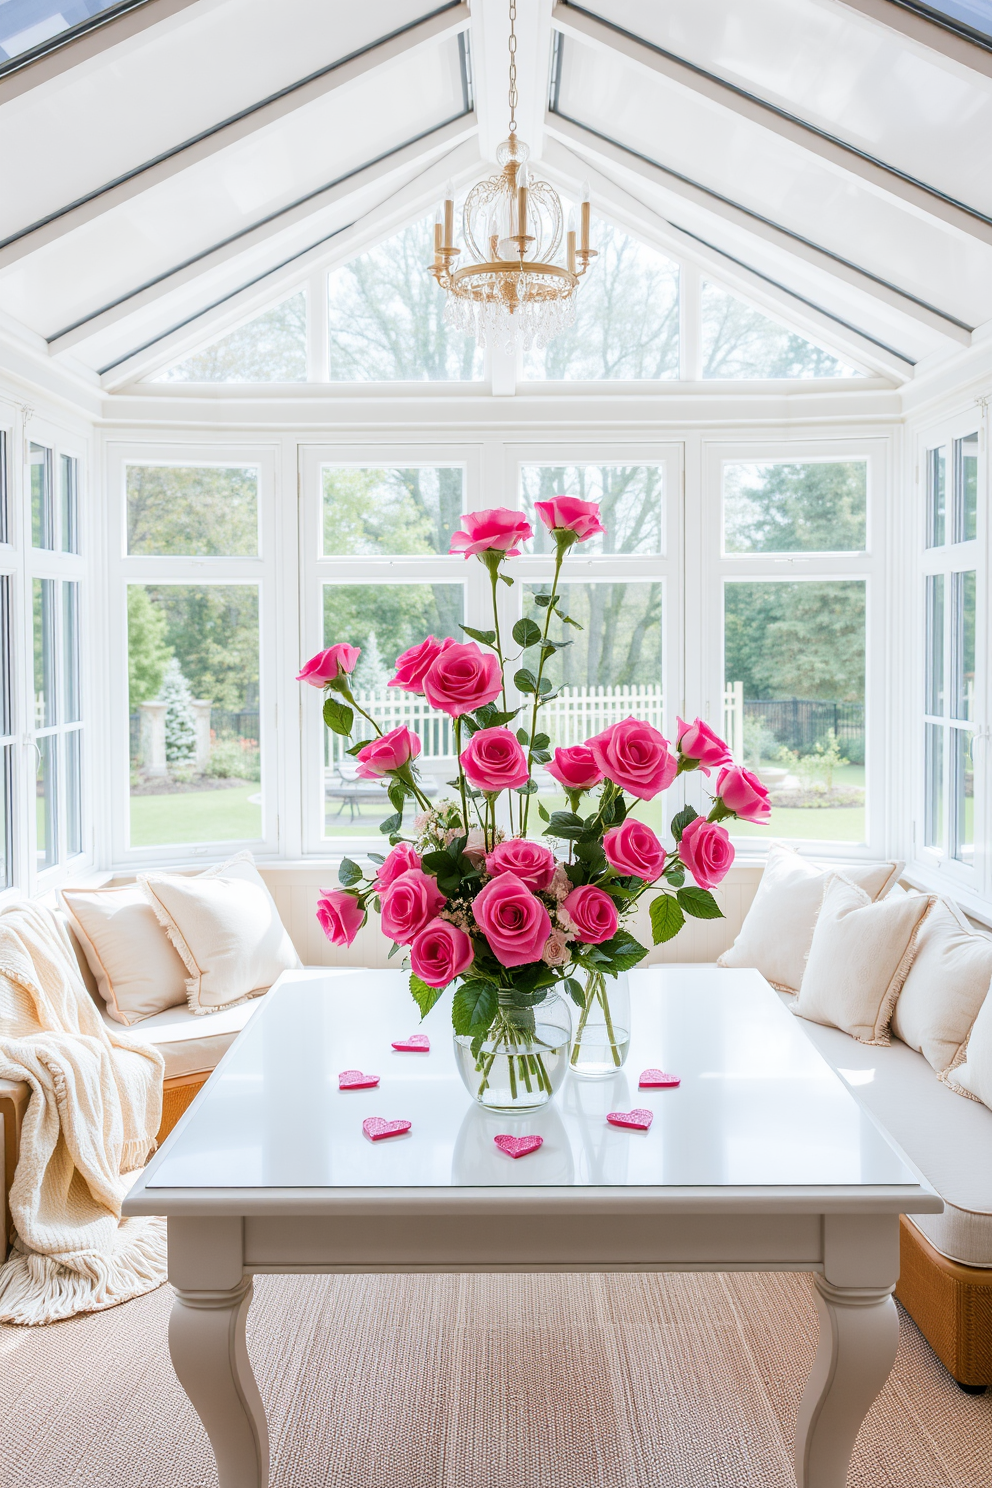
(512,46)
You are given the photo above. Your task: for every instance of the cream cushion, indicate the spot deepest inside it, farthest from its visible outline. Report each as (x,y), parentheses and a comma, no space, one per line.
(945,988)
(226,929)
(973,1077)
(138,972)
(778,929)
(859,959)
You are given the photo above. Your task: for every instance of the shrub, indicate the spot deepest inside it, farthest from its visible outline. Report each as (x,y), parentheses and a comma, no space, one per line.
(234,759)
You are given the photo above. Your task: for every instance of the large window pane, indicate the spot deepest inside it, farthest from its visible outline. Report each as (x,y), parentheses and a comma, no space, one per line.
(390,512)
(936,497)
(387,317)
(962,787)
(270,348)
(798,651)
(46,849)
(631,500)
(384,620)
(42,509)
(73,793)
(6,817)
(966,488)
(626,318)
(193,674)
(933,832)
(43,591)
(935,644)
(963,645)
(70,653)
(201,511)
(4,490)
(69,503)
(740,342)
(795,508)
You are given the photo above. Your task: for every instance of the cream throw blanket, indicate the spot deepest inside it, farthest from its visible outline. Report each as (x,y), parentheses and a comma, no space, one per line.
(95,1107)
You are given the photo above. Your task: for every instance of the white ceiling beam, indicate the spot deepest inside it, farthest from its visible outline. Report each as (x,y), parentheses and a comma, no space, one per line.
(430,32)
(926,32)
(642,220)
(588,142)
(439,141)
(400,207)
(490,65)
(602,36)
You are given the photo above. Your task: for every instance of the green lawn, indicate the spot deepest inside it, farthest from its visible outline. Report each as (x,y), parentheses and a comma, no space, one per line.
(196,816)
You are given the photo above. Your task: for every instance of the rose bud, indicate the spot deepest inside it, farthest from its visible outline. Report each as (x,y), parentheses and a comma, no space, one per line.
(387,754)
(339,915)
(327,666)
(743,794)
(496,530)
(699,744)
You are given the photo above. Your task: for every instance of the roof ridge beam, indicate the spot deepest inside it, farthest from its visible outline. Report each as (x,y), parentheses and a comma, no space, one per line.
(574,21)
(442,138)
(571,132)
(447,21)
(928,31)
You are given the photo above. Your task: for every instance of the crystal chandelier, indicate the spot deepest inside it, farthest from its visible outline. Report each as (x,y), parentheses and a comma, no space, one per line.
(509,291)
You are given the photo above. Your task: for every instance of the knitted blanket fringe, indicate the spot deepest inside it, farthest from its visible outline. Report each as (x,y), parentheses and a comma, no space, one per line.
(43,1289)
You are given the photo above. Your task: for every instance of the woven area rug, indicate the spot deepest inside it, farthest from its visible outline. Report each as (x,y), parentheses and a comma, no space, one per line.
(481,1382)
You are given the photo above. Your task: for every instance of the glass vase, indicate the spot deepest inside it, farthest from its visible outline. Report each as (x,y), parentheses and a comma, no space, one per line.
(522,1060)
(602,1033)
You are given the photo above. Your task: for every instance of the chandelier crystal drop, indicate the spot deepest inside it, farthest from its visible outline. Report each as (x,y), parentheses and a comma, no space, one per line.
(509,290)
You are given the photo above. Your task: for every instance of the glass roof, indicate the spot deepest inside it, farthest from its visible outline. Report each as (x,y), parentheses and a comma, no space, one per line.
(25,24)
(975,14)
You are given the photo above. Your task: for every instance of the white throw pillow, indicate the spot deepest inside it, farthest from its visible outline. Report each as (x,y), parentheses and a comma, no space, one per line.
(227,930)
(973,1076)
(859,959)
(946,986)
(778,928)
(138,972)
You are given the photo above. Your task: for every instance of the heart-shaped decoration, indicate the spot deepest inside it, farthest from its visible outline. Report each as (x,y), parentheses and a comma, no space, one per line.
(636,1120)
(655,1079)
(375,1128)
(417,1043)
(355,1080)
(518,1146)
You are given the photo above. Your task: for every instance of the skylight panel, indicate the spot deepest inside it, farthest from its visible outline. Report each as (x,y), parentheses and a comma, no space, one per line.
(25,24)
(741,344)
(976,15)
(270,348)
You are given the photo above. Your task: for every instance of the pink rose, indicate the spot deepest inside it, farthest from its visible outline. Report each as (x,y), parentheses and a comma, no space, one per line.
(328,665)
(743,794)
(570,514)
(493,760)
(413,665)
(461,678)
(575,768)
(707,852)
(475,844)
(636,757)
(497,529)
(697,741)
(593,914)
(533,864)
(632,848)
(403,857)
(388,753)
(440,952)
(410,901)
(339,915)
(555,953)
(515,924)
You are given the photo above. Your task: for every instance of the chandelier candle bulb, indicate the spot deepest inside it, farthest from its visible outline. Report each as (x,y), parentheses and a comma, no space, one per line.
(586,211)
(449,218)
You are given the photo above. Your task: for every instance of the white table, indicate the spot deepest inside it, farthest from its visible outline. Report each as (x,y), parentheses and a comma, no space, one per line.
(760,1161)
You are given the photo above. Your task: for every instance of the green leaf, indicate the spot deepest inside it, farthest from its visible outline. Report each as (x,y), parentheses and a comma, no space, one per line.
(474,1007)
(667,918)
(349,873)
(391,824)
(565,824)
(524,680)
(526,633)
(436,862)
(357,748)
(397,795)
(484,637)
(575,991)
(542,812)
(489,716)
(507,581)
(545,685)
(540,741)
(700,903)
(675,874)
(530,789)
(567,620)
(393,950)
(681,821)
(339,717)
(623,951)
(449,883)
(425,997)
(375,857)
(544,600)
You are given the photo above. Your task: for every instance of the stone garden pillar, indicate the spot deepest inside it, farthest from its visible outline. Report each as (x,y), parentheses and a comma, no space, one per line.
(201,720)
(152,744)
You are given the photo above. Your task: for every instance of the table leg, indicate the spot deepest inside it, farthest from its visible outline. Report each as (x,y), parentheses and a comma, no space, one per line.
(210,1357)
(859,1334)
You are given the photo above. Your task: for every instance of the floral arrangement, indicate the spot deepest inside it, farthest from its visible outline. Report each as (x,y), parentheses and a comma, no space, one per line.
(472,896)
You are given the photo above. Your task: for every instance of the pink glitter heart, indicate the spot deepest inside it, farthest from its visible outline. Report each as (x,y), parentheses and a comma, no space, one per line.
(636,1120)
(655,1079)
(518,1146)
(355,1080)
(417,1043)
(375,1128)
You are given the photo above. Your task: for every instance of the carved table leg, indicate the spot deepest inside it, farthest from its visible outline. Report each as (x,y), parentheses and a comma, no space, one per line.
(209,1355)
(859,1334)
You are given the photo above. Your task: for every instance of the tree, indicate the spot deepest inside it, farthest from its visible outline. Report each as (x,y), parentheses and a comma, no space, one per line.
(193,510)
(371,674)
(148,650)
(815,507)
(740,342)
(270,348)
(180,725)
(213,631)
(802,640)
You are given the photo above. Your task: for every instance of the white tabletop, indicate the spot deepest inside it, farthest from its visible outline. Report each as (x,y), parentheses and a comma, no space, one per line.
(757,1105)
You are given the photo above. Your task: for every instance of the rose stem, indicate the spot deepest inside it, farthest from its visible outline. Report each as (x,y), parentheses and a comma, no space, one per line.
(461,773)
(492,559)
(525,809)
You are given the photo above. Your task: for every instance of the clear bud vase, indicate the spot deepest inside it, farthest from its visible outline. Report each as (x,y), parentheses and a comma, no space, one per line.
(602,1032)
(523,1059)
